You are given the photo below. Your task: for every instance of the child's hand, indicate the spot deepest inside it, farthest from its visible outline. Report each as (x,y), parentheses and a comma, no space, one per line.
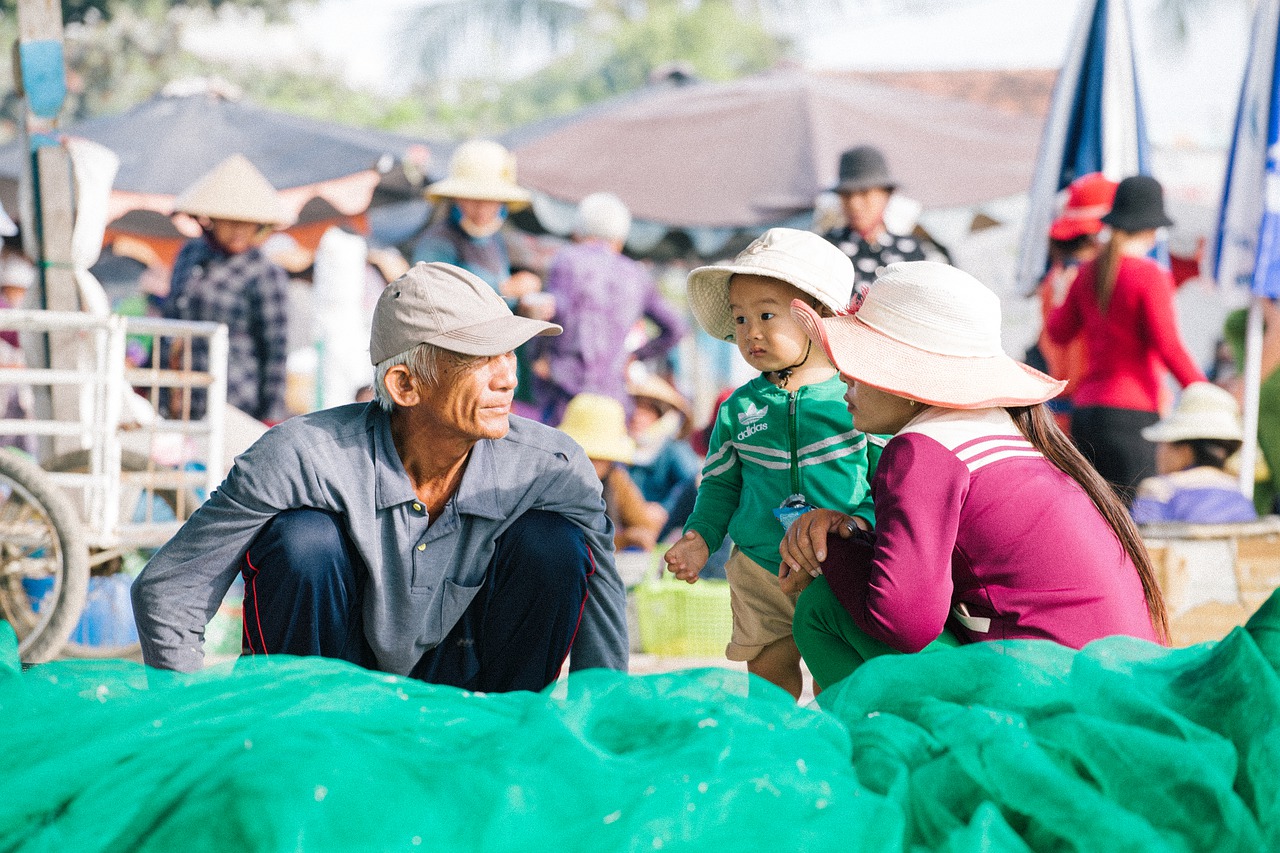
(686,558)
(793,582)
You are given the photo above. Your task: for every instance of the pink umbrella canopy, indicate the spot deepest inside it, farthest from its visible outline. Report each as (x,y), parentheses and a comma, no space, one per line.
(759,150)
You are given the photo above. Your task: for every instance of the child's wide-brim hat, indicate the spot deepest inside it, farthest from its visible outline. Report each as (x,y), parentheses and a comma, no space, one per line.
(931,333)
(802,259)
(1204,411)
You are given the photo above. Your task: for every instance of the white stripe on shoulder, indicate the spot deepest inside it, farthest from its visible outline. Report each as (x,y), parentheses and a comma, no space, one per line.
(973,449)
(1030,453)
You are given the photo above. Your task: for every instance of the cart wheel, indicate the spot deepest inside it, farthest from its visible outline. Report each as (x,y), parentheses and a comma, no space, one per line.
(182,505)
(44,562)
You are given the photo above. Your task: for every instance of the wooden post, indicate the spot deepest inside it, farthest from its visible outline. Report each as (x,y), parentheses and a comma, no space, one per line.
(48,225)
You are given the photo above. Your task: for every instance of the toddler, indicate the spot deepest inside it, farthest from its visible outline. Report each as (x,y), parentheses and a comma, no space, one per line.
(782,443)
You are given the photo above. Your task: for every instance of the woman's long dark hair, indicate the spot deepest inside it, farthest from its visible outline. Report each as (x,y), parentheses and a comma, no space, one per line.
(1038,426)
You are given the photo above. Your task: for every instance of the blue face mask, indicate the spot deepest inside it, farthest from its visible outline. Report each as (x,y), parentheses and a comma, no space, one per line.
(455,214)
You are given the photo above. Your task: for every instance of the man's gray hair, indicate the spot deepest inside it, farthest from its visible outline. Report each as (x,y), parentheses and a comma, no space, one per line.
(426,362)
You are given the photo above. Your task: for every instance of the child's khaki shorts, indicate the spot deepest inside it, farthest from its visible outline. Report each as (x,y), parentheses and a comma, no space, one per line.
(762,612)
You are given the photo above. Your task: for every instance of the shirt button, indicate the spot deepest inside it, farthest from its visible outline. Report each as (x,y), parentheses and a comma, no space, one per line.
(417,507)
(422,547)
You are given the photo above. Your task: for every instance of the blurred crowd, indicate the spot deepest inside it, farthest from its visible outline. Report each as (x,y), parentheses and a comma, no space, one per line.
(619,379)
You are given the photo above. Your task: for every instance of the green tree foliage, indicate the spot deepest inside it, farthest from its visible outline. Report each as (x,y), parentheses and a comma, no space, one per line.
(712,40)
(78,11)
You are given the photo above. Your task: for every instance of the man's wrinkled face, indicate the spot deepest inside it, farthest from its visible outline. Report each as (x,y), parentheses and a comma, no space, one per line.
(474,395)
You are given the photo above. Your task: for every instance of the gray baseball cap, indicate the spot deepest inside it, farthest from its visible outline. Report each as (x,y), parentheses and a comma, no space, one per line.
(447,307)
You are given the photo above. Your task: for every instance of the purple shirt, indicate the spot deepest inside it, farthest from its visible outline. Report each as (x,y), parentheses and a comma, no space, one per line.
(977,531)
(600,295)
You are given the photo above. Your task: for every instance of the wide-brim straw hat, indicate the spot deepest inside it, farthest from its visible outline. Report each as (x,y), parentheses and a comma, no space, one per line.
(931,333)
(599,425)
(236,191)
(799,258)
(668,398)
(482,170)
(1138,206)
(1204,411)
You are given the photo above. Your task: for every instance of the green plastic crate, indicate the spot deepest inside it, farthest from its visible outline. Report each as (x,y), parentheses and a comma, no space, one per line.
(677,619)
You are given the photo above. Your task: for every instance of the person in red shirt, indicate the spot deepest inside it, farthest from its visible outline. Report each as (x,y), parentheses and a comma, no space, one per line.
(1122,304)
(1073,240)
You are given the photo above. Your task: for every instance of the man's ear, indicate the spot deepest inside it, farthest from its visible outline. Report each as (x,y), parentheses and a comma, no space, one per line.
(402,386)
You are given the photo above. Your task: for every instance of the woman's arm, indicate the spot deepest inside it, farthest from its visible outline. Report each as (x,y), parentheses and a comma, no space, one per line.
(1162,324)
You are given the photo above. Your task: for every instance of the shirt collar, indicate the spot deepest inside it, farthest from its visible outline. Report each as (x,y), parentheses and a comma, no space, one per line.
(477,493)
(392,484)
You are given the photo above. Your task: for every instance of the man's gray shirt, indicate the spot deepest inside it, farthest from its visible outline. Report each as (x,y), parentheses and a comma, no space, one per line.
(420,578)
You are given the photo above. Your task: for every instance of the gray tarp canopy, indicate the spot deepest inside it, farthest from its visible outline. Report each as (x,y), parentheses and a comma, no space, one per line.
(166,143)
(757,151)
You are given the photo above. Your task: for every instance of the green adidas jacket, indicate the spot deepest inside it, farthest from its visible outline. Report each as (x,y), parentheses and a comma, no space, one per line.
(768,444)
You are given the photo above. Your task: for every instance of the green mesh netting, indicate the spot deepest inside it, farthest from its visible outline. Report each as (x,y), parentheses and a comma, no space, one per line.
(993,747)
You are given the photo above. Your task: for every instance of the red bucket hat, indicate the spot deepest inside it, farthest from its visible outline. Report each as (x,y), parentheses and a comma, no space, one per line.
(1089,198)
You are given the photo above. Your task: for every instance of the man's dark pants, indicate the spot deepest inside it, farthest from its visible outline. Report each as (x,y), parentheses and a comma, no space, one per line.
(303,588)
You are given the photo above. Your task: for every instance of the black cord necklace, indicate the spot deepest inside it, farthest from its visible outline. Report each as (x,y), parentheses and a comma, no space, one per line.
(784,374)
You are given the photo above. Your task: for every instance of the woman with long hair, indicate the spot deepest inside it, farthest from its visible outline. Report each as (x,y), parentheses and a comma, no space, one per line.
(1122,303)
(990,525)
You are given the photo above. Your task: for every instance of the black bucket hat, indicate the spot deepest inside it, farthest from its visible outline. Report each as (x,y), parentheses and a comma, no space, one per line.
(1139,205)
(863,168)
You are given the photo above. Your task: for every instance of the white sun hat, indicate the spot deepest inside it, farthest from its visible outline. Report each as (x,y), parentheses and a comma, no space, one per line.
(800,258)
(931,333)
(1204,411)
(483,170)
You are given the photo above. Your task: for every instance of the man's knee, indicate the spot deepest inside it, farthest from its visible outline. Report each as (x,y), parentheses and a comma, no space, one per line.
(305,542)
(548,548)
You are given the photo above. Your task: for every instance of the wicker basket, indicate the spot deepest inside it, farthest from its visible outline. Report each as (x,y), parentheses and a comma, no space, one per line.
(677,619)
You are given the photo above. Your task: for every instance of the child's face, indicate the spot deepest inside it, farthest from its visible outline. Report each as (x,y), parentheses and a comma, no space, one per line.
(768,337)
(877,411)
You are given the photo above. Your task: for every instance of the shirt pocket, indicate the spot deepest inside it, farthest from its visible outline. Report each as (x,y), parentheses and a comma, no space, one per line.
(454,602)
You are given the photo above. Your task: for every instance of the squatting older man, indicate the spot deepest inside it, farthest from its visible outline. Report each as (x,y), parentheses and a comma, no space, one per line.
(429,533)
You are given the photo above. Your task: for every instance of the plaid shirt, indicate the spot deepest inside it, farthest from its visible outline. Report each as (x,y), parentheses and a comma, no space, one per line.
(250,294)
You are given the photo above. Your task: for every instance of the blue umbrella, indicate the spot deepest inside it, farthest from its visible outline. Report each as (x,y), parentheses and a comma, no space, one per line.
(1095,123)
(1246,248)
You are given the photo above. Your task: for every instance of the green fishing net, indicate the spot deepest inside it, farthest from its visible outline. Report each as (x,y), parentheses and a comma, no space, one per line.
(1011,746)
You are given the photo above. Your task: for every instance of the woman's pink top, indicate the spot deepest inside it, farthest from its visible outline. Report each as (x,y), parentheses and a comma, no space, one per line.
(1128,346)
(978,532)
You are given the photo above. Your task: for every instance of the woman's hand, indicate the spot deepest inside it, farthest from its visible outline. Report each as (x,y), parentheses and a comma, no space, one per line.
(804,546)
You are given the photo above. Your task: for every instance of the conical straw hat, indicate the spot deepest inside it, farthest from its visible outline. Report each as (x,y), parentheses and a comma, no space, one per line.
(234,190)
